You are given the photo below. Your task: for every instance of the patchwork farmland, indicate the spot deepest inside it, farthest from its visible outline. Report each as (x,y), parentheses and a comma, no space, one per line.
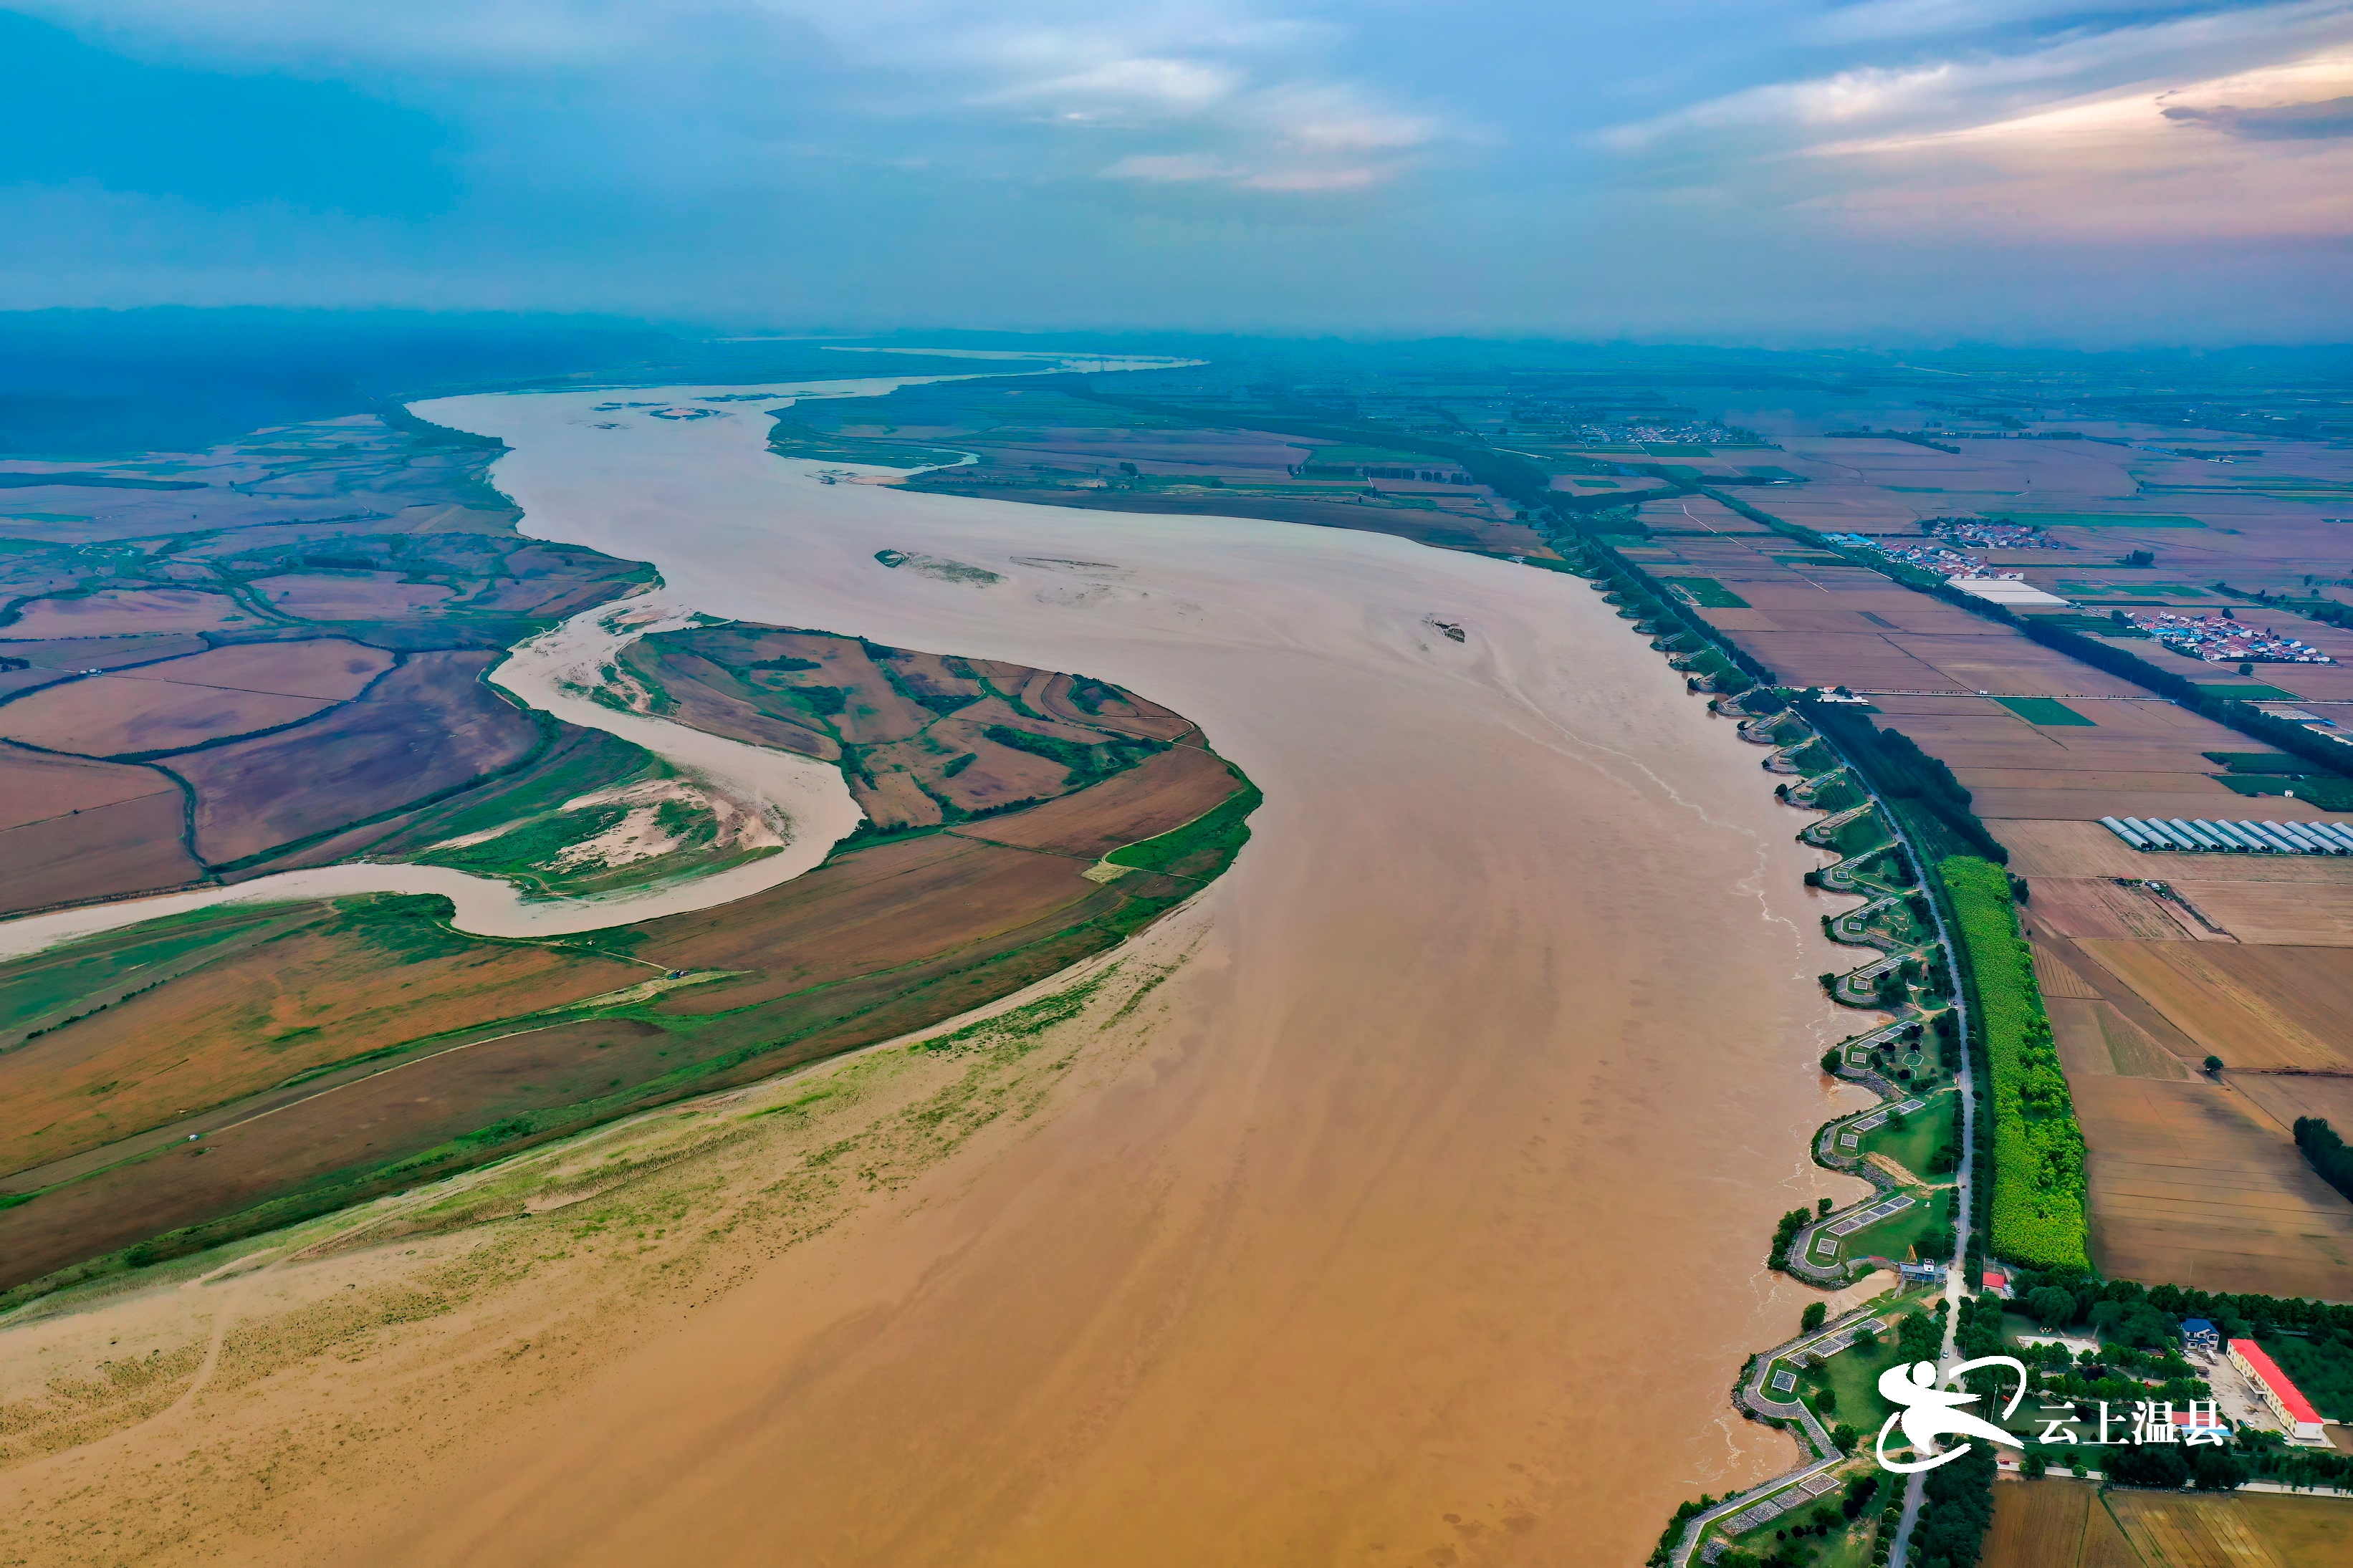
(2150,964)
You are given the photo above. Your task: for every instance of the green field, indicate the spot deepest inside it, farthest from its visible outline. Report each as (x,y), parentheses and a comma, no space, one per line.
(1708,593)
(1927,1223)
(1926,1132)
(43,985)
(2097,520)
(2328,793)
(2225,691)
(2044,710)
(1854,1374)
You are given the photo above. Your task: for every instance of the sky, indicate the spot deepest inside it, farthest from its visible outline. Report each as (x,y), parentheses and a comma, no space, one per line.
(2092,172)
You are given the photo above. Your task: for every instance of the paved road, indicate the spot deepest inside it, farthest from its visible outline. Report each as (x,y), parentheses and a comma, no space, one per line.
(1757,1395)
(1964,1192)
(1754,1392)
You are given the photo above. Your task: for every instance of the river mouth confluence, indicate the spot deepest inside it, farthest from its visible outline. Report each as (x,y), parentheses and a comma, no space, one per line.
(1425,1224)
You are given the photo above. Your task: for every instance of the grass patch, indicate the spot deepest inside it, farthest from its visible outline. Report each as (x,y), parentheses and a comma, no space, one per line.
(1025,1022)
(2225,691)
(1201,847)
(2038,1177)
(1707,592)
(1925,1133)
(1087,763)
(2271,764)
(1926,1228)
(1853,1376)
(531,846)
(2047,710)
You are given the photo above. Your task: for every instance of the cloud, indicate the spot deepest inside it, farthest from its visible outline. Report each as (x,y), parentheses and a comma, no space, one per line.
(2283,122)
(1034,84)
(1170,168)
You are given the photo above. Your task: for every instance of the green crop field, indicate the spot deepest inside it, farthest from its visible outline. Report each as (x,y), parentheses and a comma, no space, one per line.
(2044,710)
(2228,692)
(2097,520)
(2328,793)
(1708,593)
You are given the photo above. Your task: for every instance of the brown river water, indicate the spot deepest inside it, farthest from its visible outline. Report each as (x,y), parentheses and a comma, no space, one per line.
(1425,1225)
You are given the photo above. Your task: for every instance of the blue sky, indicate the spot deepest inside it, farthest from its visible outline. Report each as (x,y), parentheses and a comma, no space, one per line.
(1763,171)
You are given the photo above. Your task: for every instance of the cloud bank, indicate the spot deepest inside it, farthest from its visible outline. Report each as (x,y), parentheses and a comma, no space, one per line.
(2088,170)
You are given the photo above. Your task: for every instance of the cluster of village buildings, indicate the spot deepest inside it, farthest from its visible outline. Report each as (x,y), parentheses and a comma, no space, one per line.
(2219,639)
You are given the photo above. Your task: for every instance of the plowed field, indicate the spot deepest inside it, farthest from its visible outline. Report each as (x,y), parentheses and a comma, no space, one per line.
(2191,1184)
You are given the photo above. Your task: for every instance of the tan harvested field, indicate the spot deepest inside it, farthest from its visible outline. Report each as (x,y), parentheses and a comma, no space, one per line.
(333,670)
(2057,980)
(2310,913)
(2096,1038)
(112,715)
(2038,1525)
(2283,1096)
(115,612)
(373,597)
(2104,1542)
(52,657)
(2250,1531)
(2192,1184)
(2081,848)
(36,788)
(2253,1006)
(2104,907)
(2072,1524)
(125,846)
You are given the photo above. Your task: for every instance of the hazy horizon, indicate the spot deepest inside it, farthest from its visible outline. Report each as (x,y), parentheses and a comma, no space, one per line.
(2057,173)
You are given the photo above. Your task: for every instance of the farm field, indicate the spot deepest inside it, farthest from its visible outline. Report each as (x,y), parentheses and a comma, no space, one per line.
(317,1060)
(283,664)
(2072,1524)
(289,646)
(2160,960)
(2187,1185)
(1052,444)
(923,740)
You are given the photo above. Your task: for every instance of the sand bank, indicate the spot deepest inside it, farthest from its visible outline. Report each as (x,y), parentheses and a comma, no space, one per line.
(1423,1220)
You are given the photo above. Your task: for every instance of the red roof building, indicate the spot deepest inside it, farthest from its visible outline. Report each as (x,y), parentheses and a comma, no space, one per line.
(2287,1401)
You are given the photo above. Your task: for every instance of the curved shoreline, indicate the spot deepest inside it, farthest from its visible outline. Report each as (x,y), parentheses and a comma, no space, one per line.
(1306,1255)
(805,800)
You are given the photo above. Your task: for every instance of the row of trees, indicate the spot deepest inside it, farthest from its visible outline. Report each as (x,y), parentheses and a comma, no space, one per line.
(2037,1208)
(1897,769)
(2326,1151)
